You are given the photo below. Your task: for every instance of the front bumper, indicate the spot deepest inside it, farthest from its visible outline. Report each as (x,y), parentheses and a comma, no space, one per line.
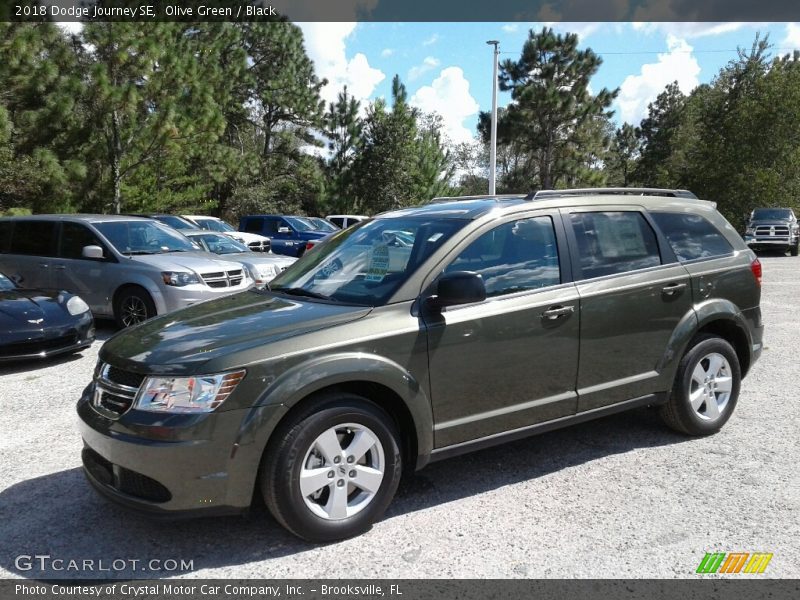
(770,242)
(178,465)
(54,342)
(175,297)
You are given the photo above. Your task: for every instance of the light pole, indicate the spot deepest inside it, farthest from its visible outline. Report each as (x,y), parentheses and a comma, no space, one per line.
(493,143)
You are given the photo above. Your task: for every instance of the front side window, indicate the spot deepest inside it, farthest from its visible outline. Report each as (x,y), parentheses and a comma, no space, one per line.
(143,237)
(6,285)
(34,238)
(514,257)
(74,237)
(691,236)
(367,264)
(614,242)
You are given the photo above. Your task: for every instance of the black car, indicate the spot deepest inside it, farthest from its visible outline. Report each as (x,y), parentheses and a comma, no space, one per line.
(773,229)
(39,324)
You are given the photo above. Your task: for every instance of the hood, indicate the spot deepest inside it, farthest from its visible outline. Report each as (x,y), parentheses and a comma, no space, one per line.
(247,237)
(261,258)
(199,262)
(182,341)
(26,313)
(770,222)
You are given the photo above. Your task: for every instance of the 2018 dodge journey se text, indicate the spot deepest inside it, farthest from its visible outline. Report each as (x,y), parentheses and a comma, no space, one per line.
(422,334)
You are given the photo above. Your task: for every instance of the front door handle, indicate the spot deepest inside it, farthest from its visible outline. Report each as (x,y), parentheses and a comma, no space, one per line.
(60,267)
(556,312)
(673,288)
(44,265)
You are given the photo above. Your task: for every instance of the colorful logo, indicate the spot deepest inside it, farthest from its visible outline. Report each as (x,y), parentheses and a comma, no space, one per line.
(734,562)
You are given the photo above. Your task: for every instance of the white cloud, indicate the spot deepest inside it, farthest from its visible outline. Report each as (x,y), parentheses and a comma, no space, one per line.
(448,96)
(326,45)
(677,64)
(689,30)
(431,40)
(510,28)
(387,52)
(792,39)
(428,64)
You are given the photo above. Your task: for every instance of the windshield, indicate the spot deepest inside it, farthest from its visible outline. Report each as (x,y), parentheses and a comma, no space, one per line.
(220,244)
(771,213)
(322,225)
(176,222)
(214,225)
(6,284)
(367,263)
(300,224)
(143,237)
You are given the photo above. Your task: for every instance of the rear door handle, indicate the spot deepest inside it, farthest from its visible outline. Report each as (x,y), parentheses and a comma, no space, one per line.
(556,312)
(60,267)
(673,288)
(44,265)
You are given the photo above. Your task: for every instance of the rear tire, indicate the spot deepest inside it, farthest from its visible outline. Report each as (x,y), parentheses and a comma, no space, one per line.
(332,470)
(706,387)
(133,305)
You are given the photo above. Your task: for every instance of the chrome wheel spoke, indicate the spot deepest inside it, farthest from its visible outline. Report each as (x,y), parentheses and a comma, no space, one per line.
(724,384)
(697,398)
(715,364)
(699,374)
(712,408)
(361,444)
(328,445)
(313,480)
(336,507)
(367,479)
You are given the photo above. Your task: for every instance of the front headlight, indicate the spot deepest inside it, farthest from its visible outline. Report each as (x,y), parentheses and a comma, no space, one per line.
(199,394)
(749,231)
(76,306)
(179,278)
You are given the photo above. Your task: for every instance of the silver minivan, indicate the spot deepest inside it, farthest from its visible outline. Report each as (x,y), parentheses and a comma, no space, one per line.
(128,268)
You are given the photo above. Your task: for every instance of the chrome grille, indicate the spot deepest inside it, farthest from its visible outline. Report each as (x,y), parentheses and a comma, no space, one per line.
(223,279)
(260,246)
(772,231)
(114,390)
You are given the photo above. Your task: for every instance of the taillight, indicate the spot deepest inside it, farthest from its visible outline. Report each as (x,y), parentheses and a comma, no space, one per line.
(755,267)
(309,245)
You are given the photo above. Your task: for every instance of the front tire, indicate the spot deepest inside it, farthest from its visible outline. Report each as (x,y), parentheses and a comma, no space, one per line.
(794,250)
(332,470)
(132,306)
(706,387)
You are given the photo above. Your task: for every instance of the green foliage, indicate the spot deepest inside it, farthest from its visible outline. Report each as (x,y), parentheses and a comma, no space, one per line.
(554,124)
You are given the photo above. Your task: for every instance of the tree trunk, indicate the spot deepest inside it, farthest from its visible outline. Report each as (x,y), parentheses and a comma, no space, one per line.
(116,157)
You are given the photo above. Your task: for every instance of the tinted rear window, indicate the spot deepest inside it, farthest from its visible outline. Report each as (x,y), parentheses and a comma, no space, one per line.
(691,236)
(5,235)
(34,238)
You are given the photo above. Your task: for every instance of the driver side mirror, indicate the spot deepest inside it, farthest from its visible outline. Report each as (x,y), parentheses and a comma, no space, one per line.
(92,252)
(284,230)
(458,287)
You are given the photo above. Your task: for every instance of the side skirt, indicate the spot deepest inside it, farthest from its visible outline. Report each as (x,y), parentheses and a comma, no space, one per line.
(530,430)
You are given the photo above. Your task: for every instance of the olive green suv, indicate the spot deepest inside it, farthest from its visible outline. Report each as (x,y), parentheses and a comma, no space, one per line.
(422,334)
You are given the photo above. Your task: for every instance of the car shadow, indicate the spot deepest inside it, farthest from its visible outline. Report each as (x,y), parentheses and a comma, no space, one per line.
(61,516)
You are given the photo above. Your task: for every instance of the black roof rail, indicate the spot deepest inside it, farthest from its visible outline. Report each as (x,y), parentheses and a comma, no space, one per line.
(629,191)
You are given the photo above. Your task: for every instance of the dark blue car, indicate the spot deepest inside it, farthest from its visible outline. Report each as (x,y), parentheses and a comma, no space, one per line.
(289,234)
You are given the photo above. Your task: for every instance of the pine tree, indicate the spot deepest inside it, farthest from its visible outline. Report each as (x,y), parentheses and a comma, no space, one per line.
(344,130)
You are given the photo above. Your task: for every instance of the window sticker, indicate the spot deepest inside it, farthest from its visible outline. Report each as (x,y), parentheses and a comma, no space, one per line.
(378,264)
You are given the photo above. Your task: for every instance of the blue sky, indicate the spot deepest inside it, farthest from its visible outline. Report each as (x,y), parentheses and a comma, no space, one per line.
(447,67)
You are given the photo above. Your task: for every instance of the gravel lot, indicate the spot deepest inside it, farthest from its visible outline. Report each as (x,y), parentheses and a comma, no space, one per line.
(618,497)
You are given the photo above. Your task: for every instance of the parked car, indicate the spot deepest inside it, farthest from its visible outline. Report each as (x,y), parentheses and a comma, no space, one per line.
(420,335)
(128,268)
(262,266)
(176,222)
(256,243)
(345,221)
(38,324)
(289,234)
(773,229)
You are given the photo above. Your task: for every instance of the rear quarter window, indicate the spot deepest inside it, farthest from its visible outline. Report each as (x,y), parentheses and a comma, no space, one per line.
(34,238)
(6,227)
(691,236)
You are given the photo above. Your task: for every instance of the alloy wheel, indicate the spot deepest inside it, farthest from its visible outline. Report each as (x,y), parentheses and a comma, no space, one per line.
(133,311)
(711,385)
(342,471)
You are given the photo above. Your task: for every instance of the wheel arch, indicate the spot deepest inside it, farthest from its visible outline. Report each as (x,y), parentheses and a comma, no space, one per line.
(144,285)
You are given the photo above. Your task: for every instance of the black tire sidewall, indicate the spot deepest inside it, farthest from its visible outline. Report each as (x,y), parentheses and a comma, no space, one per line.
(692,420)
(127,293)
(289,461)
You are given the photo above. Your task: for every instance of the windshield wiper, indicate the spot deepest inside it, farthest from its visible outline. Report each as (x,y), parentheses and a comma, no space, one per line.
(139,252)
(298,291)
